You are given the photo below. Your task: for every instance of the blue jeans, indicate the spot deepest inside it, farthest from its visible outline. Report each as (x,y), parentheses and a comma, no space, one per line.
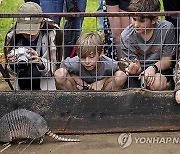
(57,6)
(100,19)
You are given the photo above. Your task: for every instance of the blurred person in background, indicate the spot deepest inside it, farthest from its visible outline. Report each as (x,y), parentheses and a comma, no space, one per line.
(118,23)
(100,19)
(73,23)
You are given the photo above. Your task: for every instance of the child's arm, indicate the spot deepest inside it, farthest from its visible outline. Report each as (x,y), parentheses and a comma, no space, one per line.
(133,64)
(164,63)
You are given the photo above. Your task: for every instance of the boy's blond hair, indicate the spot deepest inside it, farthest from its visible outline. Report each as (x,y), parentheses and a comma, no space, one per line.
(89,43)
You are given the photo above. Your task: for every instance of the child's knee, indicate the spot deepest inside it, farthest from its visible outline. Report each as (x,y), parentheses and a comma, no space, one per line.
(60,75)
(120,77)
(160,82)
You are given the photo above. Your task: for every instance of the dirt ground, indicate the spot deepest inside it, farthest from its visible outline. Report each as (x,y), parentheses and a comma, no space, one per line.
(101,144)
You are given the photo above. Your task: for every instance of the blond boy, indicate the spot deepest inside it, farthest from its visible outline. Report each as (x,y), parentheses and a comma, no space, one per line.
(90,69)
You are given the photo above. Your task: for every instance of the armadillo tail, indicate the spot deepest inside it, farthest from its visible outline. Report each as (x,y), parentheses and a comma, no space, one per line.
(57,137)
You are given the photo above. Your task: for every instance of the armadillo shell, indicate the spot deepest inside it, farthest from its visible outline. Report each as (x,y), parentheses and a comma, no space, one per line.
(22,123)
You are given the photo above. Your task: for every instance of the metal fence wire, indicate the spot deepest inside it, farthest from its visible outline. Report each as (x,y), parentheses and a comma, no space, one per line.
(56,46)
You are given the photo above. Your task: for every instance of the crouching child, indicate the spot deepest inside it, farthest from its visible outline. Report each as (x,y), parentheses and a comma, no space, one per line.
(90,69)
(31,50)
(148,46)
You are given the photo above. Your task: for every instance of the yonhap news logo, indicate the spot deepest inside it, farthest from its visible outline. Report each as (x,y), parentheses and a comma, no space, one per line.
(126,139)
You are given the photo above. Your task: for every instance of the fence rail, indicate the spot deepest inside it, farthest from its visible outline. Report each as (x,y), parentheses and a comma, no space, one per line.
(90,14)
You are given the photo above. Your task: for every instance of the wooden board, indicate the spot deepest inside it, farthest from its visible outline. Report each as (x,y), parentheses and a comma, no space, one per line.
(99,112)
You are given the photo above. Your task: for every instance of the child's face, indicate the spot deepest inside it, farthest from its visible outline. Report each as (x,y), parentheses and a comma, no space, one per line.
(30,37)
(90,62)
(142,25)
(33,37)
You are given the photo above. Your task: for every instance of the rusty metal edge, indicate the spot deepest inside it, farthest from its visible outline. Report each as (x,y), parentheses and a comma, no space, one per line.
(89,14)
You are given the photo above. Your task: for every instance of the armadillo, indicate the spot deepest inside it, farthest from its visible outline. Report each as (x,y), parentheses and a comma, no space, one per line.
(22,124)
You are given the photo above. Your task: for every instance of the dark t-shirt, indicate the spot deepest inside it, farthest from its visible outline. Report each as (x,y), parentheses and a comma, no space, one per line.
(123,4)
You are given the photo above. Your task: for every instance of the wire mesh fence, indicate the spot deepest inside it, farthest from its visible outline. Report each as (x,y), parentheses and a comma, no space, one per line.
(63,57)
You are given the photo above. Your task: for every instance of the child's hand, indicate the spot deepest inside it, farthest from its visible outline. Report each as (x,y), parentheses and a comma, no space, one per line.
(34,56)
(11,58)
(149,74)
(133,67)
(98,85)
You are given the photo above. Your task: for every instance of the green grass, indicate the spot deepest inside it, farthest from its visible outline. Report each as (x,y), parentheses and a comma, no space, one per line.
(6,23)
(90,23)
(162,9)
